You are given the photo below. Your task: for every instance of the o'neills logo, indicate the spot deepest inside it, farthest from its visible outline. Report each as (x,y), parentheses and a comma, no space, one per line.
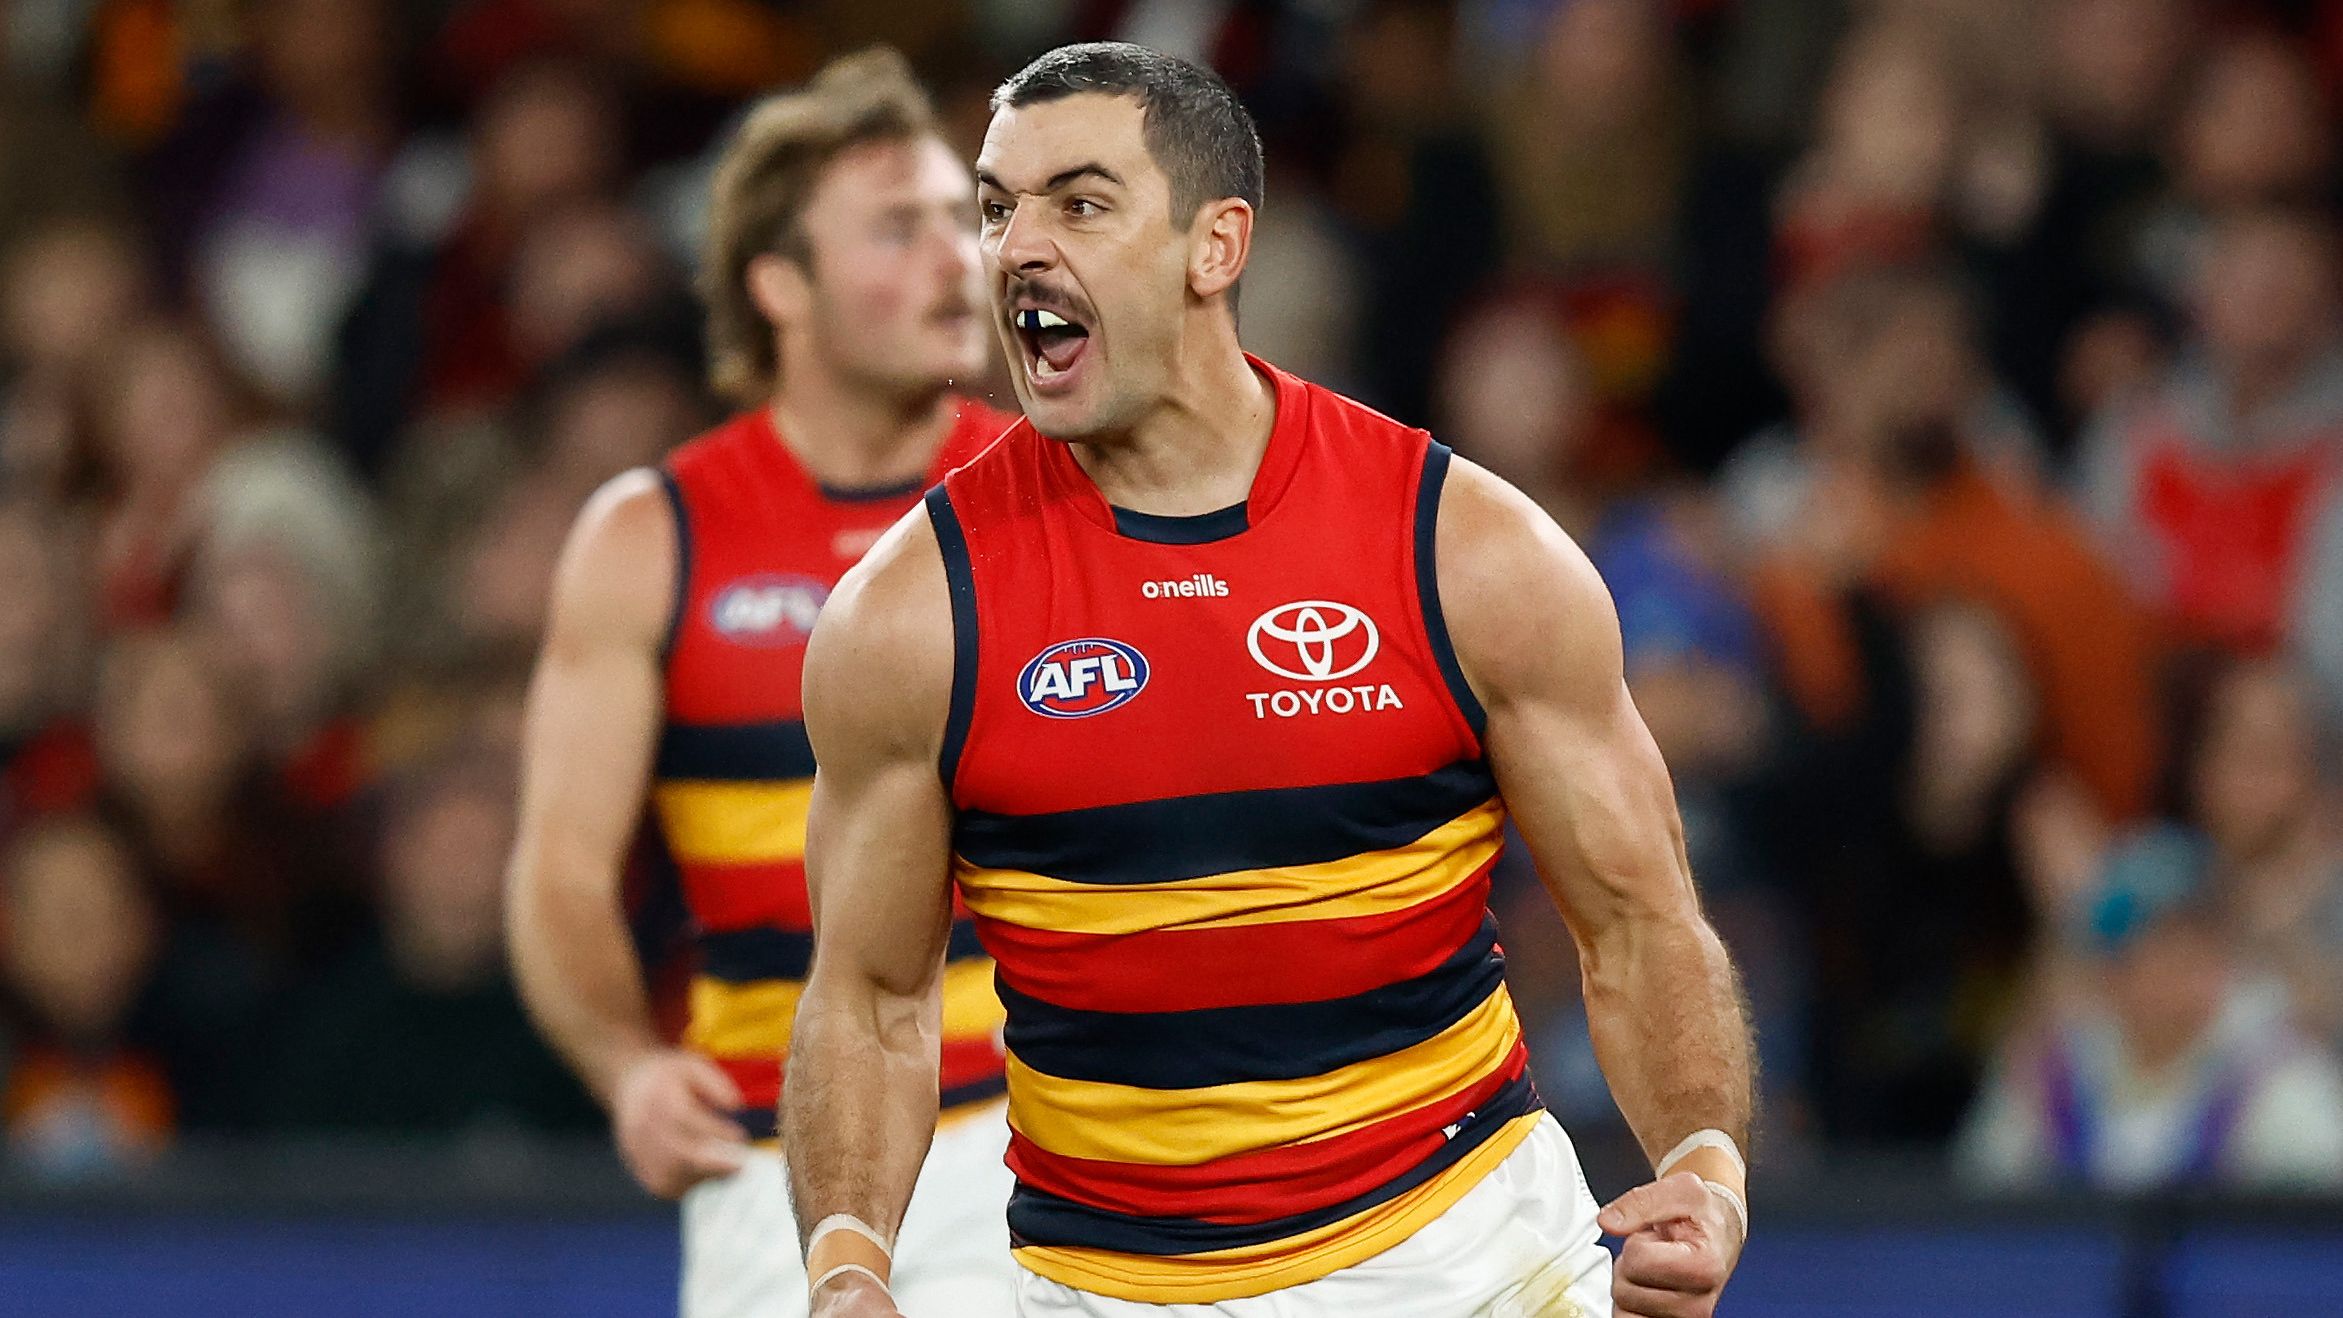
(1203,585)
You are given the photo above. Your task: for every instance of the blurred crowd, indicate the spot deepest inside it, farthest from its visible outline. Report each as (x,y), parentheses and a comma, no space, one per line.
(1951,392)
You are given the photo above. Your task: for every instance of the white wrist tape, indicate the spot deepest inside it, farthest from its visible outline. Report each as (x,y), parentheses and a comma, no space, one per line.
(841,1270)
(1732,1200)
(1711,1138)
(848,1222)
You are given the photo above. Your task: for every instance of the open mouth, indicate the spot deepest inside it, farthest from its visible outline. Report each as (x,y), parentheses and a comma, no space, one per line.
(1054,345)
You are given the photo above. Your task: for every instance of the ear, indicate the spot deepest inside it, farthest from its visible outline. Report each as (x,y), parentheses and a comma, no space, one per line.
(1221,240)
(780,289)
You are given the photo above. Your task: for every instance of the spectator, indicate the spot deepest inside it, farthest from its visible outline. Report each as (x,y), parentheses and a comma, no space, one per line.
(264,195)
(69,292)
(2261,789)
(418,1030)
(2212,488)
(78,940)
(47,762)
(431,333)
(1905,488)
(2173,1071)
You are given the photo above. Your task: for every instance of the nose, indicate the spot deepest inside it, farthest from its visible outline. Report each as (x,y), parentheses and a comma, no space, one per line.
(1020,247)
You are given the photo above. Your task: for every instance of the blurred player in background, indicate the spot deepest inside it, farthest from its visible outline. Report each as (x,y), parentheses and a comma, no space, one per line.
(842,291)
(1212,692)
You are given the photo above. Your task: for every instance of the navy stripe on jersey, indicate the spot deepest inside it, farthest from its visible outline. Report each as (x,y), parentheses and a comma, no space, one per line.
(736,751)
(744,956)
(1436,459)
(683,560)
(1194,529)
(1039,1218)
(960,579)
(1187,837)
(975,1091)
(764,1123)
(1229,1045)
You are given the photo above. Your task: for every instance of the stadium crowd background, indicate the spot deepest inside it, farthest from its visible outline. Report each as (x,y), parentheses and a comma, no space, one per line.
(1950,390)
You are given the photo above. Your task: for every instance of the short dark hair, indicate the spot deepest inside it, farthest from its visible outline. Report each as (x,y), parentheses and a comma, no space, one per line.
(1198,132)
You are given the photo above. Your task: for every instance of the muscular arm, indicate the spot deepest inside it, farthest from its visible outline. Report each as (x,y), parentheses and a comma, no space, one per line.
(1538,638)
(861,1097)
(592,722)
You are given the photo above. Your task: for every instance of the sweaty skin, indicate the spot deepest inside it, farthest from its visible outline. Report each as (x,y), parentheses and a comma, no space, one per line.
(1538,638)
(1166,417)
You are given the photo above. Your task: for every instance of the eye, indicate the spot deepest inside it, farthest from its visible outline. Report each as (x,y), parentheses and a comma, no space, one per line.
(1083,207)
(993,210)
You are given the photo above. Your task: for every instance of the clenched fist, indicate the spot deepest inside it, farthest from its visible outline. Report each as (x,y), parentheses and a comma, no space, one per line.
(1681,1242)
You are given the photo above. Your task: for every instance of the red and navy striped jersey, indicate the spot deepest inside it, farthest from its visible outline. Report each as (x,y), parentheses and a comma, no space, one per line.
(760,545)
(1223,819)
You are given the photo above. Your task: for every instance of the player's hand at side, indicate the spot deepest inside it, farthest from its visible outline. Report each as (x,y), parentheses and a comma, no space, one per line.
(853,1295)
(672,1113)
(1681,1242)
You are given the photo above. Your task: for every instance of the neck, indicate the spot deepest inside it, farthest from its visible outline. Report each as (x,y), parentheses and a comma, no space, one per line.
(1200,447)
(856,438)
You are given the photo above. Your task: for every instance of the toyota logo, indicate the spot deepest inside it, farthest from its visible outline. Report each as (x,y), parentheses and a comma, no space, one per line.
(1314,640)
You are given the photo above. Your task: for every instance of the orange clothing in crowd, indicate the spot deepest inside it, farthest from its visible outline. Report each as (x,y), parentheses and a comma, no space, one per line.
(2091,652)
(59,1108)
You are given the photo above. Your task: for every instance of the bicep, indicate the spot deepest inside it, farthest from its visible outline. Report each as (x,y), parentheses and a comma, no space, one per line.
(596,697)
(878,678)
(1538,638)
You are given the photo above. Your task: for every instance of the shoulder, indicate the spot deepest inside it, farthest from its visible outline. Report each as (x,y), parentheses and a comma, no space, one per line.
(881,659)
(618,568)
(1524,607)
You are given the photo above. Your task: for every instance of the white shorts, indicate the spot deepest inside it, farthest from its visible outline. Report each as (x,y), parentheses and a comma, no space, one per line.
(740,1257)
(1521,1244)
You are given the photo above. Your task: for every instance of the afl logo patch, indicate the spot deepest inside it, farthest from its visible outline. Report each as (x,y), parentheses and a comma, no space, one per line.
(767,610)
(1313,640)
(1076,679)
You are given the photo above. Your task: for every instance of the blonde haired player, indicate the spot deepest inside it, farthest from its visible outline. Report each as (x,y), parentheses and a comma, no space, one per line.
(840,278)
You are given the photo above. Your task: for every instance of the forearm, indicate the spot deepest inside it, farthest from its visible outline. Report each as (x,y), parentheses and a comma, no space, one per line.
(578,974)
(860,1102)
(1670,1029)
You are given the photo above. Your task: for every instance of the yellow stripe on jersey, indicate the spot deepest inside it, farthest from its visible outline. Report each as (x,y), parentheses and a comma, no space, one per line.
(751,1020)
(713,822)
(1184,1127)
(1371,883)
(1231,1274)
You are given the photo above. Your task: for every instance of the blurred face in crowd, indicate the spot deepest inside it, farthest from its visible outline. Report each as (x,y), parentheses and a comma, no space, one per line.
(1607,58)
(1514,394)
(321,56)
(1093,274)
(2256,127)
(500,584)
(1975,717)
(76,931)
(885,295)
(167,412)
(66,295)
(2113,62)
(2167,985)
(2265,298)
(168,736)
(546,138)
(2255,778)
(625,413)
(578,270)
(30,625)
(443,876)
(1889,117)
(270,636)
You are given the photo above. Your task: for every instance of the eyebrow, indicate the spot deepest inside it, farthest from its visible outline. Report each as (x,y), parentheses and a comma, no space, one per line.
(1057,180)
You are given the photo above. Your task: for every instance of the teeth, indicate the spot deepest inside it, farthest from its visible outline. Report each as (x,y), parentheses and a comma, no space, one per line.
(1031,319)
